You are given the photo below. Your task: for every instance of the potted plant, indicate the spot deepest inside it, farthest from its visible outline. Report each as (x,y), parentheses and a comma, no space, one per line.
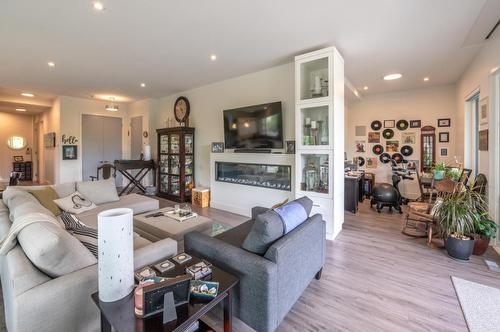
(452,174)
(439,170)
(484,230)
(456,215)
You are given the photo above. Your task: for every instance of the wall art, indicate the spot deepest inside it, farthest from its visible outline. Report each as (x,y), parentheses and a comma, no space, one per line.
(373,137)
(408,138)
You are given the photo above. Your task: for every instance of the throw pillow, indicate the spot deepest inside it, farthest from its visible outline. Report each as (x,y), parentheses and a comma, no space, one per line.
(86,235)
(266,229)
(100,192)
(292,215)
(75,203)
(46,197)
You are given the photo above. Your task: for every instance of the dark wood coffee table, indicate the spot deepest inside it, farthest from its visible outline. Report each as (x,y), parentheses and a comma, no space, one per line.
(120,314)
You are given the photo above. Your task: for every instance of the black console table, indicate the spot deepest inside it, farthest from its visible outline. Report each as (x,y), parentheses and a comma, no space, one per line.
(142,166)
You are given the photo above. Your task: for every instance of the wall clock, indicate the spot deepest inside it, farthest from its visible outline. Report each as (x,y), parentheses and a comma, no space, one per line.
(376,125)
(402,125)
(388,133)
(385,158)
(406,150)
(182,109)
(378,149)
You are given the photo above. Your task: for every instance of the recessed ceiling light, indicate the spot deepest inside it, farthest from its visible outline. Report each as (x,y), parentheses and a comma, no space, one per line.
(213,57)
(26,94)
(391,77)
(365,88)
(143,85)
(426,79)
(98,6)
(20,110)
(51,64)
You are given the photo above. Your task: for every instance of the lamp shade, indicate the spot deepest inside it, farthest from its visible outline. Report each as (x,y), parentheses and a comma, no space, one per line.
(116,254)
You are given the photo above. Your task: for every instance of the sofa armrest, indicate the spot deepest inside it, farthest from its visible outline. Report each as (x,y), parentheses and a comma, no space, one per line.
(258,210)
(154,252)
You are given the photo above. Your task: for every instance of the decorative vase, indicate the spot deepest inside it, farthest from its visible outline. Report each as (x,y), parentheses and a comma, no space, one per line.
(438,175)
(147,152)
(480,245)
(311,175)
(116,254)
(458,248)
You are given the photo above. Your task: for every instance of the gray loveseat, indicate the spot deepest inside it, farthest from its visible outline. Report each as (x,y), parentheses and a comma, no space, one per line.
(269,284)
(48,277)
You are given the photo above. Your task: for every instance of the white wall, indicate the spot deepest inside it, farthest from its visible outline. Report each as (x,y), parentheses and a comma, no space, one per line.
(426,104)
(208,102)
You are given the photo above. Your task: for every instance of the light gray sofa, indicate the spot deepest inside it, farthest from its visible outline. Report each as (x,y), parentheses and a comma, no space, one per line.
(48,277)
(269,284)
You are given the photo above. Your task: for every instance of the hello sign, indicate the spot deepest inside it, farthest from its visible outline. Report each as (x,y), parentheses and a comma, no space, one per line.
(69,139)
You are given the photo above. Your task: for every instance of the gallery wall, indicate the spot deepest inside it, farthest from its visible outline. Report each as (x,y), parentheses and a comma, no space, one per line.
(426,104)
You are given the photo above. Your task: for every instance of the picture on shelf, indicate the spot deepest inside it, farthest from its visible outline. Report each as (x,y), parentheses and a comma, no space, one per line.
(408,138)
(415,123)
(290,147)
(444,122)
(69,152)
(392,146)
(217,147)
(444,152)
(374,137)
(412,164)
(371,162)
(360,146)
(483,140)
(389,123)
(444,137)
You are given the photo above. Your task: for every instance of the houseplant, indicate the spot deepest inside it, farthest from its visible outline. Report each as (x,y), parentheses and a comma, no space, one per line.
(439,170)
(456,216)
(484,230)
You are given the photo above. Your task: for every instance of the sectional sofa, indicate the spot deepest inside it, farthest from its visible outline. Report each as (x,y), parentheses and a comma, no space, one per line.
(48,277)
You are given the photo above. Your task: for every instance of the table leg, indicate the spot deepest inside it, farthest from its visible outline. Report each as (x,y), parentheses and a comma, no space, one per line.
(105,326)
(228,311)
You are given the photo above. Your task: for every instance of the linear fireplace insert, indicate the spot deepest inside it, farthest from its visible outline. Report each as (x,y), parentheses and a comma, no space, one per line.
(259,175)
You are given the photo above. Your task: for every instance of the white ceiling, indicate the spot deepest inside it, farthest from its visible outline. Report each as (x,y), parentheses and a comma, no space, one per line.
(167,44)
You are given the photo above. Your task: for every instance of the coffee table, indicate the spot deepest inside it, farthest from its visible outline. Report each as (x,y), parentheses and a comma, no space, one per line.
(120,314)
(157,228)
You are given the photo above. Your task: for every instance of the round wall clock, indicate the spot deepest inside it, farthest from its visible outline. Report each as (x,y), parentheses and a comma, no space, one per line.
(181,109)
(388,133)
(385,157)
(402,125)
(378,149)
(397,157)
(376,125)
(406,150)
(361,161)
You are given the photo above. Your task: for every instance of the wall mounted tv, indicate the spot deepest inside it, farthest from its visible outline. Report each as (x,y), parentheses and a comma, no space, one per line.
(254,127)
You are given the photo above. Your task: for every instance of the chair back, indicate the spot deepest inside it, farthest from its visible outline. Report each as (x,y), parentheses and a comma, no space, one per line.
(464,177)
(481,184)
(105,171)
(420,185)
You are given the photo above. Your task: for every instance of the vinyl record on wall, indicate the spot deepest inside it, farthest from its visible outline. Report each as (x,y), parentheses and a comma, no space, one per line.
(388,133)
(376,125)
(361,161)
(378,149)
(406,150)
(402,125)
(397,157)
(385,158)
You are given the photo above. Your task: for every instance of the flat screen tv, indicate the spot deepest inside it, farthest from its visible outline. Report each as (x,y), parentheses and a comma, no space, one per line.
(254,127)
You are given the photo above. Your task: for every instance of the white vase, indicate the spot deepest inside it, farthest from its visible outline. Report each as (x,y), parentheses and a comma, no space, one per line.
(116,254)
(147,152)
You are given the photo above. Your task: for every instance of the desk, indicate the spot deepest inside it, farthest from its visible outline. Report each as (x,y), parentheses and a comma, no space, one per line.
(353,192)
(125,167)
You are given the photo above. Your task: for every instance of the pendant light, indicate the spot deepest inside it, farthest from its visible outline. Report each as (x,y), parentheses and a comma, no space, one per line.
(113,107)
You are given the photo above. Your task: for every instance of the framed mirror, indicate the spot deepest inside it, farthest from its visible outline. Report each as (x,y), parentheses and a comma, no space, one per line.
(16,142)
(427,148)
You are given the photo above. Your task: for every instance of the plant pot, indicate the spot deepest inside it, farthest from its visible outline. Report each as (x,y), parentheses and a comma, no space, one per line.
(438,175)
(459,249)
(480,245)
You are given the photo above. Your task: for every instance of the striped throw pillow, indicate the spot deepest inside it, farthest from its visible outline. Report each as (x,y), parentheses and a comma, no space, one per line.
(86,235)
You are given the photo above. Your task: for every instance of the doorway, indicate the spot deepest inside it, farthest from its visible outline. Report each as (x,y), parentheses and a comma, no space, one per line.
(101,143)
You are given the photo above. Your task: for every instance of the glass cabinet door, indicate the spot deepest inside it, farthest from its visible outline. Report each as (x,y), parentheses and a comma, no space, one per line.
(188,143)
(163,143)
(174,167)
(314,124)
(314,80)
(315,173)
(174,185)
(188,167)
(174,143)
(164,183)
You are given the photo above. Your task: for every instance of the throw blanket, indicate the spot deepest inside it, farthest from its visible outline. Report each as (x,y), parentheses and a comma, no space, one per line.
(10,240)
(292,215)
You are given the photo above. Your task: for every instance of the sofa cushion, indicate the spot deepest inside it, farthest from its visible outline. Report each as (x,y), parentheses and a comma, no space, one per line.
(64,189)
(75,203)
(53,250)
(46,197)
(99,192)
(86,235)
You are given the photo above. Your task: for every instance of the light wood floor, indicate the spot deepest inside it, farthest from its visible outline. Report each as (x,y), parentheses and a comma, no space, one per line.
(377,279)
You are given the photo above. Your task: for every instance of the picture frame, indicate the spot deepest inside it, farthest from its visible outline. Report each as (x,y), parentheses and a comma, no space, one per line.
(49,140)
(392,146)
(18,159)
(415,123)
(217,147)
(371,162)
(483,110)
(444,152)
(290,147)
(374,137)
(444,137)
(360,146)
(483,140)
(389,123)
(408,138)
(70,152)
(360,130)
(446,122)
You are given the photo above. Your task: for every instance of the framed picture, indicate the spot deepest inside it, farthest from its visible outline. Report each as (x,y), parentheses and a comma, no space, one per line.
(69,152)
(49,140)
(360,130)
(415,123)
(444,137)
(389,123)
(217,147)
(483,110)
(360,146)
(444,122)
(412,164)
(483,140)
(392,146)
(290,147)
(374,137)
(408,138)
(18,158)
(444,152)
(371,162)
